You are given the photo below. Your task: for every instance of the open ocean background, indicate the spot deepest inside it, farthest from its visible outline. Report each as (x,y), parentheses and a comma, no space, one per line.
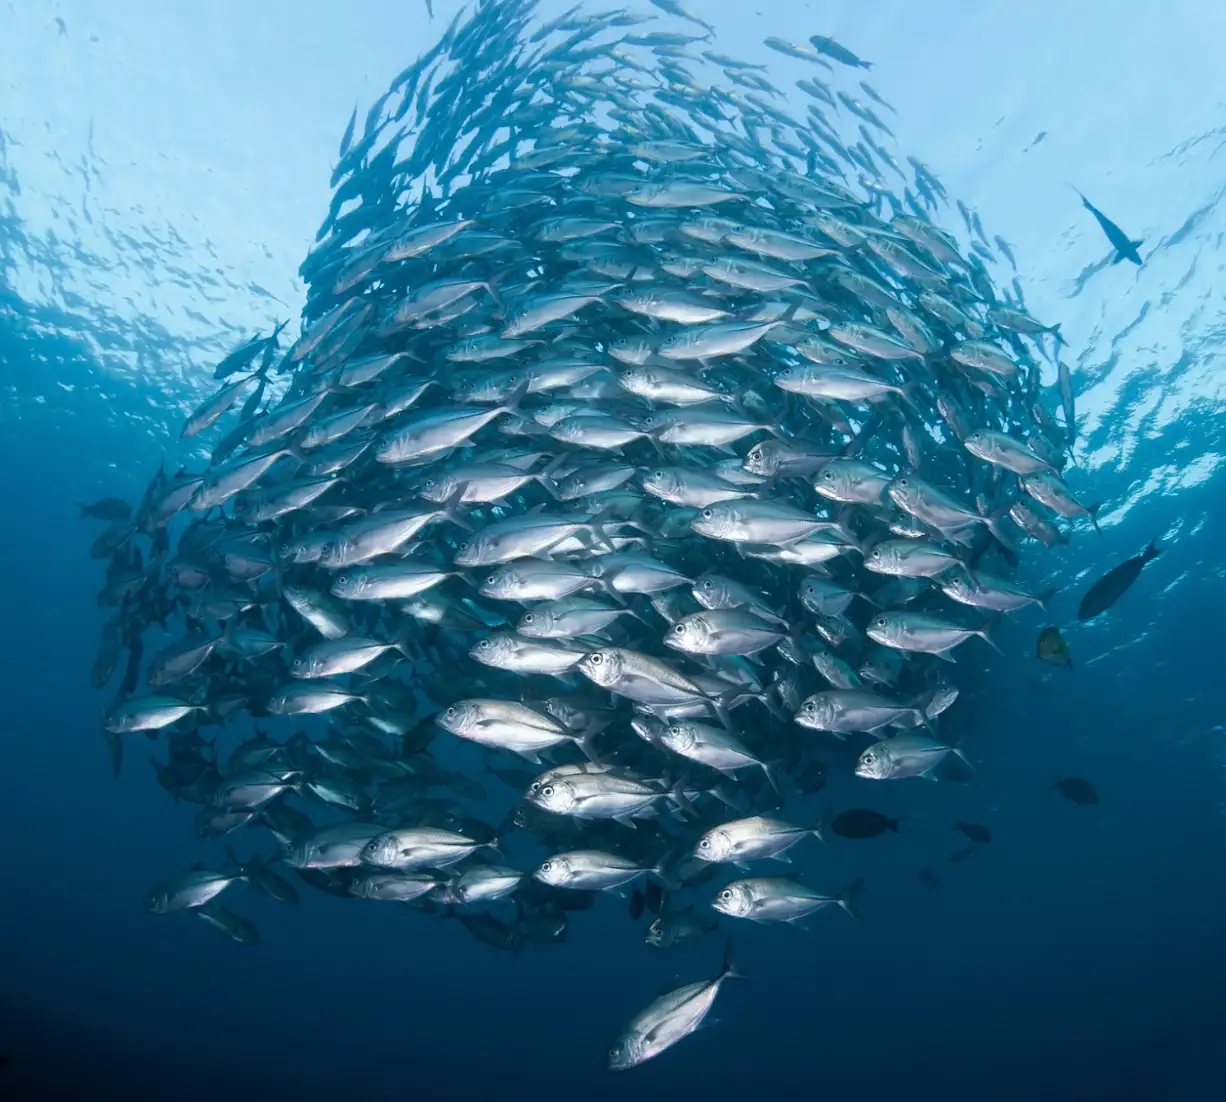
(163,168)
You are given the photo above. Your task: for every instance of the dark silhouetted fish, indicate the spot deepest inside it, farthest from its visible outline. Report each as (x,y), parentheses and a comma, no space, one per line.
(836,50)
(862,823)
(976,832)
(109,508)
(1077,790)
(1115,583)
(1125,248)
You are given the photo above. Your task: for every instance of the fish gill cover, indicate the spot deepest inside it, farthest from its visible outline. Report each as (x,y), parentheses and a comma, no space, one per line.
(645,454)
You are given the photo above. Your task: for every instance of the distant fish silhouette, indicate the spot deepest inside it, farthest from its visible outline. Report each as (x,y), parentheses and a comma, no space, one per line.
(1077,790)
(1125,247)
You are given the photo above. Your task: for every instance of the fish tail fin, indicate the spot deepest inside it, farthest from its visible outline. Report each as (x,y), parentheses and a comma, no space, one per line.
(987,634)
(450,509)
(847,898)
(1093,511)
(729,971)
(511,405)
(867,431)
(1151,552)
(1045,598)
(818,829)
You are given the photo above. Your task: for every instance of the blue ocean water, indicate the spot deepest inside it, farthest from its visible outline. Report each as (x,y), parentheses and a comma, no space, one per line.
(162,175)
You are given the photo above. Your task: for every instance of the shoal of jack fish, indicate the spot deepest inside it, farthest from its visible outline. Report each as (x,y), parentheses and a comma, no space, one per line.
(656,443)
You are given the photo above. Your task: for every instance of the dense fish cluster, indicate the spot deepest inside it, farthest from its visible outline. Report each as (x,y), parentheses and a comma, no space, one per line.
(646,452)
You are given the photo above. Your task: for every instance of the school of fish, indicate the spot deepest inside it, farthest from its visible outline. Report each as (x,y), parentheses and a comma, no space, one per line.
(645,452)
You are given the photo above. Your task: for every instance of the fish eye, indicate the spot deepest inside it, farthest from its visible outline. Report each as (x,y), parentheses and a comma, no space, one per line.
(429,484)
(976,436)
(810,707)
(726,894)
(452,712)
(708,584)
(785,373)
(484,644)
(464,546)
(491,579)
(679,629)
(529,618)
(755,454)
(597,658)
(547,790)
(705,844)
(903,482)
(880,622)
(828,475)
(875,555)
(546,866)
(869,757)
(657,474)
(706,514)
(674,730)
(614,1053)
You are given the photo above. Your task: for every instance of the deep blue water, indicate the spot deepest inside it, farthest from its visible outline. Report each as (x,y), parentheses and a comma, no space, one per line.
(1078,956)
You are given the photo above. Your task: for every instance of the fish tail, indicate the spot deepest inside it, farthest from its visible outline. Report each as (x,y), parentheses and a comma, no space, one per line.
(847,897)
(1151,552)
(1093,511)
(986,634)
(729,971)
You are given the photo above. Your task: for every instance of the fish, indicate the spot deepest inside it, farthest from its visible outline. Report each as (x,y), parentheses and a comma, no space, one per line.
(642,441)
(669,1019)
(862,823)
(111,509)
(828,47)
(976,832)
(1052,648)
(1125,248)
(1103,594)
(778,899)
(1077,790)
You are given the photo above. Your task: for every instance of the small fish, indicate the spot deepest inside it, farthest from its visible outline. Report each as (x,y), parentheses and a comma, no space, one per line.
(976,832)
(111,509)
(1077,790)
(1052,648)
(862,823)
